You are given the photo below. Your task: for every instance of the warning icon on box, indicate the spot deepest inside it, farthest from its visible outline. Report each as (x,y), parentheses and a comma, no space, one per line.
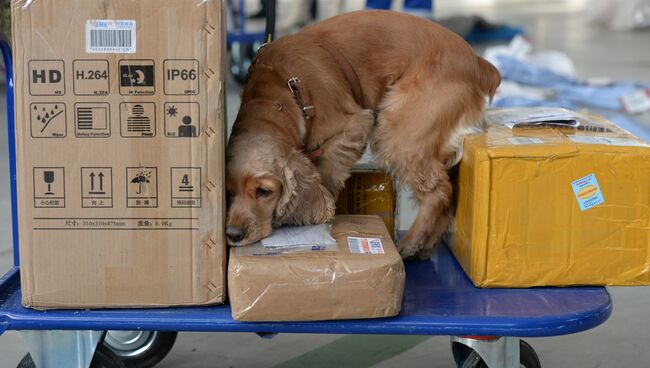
(96,187)
(142,186)
(49,187)
(186,187)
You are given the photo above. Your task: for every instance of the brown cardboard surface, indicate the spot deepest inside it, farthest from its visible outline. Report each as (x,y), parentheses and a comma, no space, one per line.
(120,154)
(318,285)
(518,219)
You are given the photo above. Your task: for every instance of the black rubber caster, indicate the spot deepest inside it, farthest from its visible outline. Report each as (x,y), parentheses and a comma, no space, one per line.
(140,349)
(103,358)
(466,357)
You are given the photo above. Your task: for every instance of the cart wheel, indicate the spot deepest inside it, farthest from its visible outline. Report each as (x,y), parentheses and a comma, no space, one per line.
(465,357)
(103,358)
(140,349)
(241,57)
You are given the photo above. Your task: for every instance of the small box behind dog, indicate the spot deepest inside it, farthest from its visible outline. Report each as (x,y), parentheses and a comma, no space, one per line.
(363,278)
(369,193)
(120,136)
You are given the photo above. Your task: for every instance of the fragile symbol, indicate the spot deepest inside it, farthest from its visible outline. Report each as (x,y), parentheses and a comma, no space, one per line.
(141,177)
(49,187)
(48,178)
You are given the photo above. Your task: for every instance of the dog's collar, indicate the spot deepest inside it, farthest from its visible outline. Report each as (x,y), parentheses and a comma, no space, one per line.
(301,96)
(308,110)
(311,155)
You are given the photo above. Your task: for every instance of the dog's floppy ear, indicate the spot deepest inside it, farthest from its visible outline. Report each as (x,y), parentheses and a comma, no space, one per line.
(304,199)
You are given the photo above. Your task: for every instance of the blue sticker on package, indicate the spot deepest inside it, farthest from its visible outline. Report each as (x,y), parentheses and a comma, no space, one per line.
(587,192)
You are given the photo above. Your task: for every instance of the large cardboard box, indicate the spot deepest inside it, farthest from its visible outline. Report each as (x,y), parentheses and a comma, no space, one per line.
(554,206)
(364,278)
(120,141)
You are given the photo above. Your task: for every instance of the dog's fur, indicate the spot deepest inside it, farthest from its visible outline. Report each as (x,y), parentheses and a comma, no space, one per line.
(422,89)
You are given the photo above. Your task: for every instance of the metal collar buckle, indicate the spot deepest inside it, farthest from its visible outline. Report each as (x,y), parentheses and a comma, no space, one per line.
(292,83)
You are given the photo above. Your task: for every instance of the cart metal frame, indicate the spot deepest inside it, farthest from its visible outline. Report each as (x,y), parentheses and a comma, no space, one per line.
(439,300)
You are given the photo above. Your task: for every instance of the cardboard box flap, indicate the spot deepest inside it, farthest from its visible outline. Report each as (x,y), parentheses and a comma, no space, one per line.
(527,143)
(593,134)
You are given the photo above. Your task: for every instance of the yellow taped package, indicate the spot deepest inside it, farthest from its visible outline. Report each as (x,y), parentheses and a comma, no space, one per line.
(554,207)
(369,193)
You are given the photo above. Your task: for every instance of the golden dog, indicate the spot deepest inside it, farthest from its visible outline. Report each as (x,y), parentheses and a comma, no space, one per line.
(315,99)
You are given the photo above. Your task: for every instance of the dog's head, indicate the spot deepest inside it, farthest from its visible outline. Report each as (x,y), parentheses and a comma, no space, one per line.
(267,188)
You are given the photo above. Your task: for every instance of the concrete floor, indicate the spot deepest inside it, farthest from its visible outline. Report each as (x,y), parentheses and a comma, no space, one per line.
(620,342)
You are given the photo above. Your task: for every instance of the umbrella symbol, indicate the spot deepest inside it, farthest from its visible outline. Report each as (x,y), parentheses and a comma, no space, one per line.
(141,177)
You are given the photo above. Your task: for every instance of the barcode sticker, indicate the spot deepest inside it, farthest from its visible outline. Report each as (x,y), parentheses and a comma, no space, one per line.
(110,36)
(365,245)
(524,140)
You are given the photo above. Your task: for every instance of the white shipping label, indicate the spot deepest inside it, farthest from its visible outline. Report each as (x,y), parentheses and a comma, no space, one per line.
(107,36)
(365,245)
(524,140)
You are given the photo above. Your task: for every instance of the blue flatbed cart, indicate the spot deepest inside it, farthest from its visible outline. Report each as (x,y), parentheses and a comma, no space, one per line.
(485,324)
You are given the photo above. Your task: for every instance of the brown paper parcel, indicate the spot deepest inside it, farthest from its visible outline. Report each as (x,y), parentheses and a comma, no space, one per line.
(120,141)
(319,285)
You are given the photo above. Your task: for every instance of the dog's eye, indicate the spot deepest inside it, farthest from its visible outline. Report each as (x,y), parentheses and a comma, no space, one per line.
(262,193)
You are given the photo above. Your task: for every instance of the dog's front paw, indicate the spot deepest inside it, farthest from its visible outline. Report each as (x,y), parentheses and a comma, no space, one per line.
(407,247)
(425,253)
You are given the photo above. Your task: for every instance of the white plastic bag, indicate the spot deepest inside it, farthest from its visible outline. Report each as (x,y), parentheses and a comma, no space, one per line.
(521,49)
(619,15)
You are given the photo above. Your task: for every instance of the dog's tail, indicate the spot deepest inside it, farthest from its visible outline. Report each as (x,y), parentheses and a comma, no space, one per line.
(488,77)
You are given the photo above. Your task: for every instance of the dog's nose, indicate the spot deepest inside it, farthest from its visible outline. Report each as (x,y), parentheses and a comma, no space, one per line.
(235,233)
